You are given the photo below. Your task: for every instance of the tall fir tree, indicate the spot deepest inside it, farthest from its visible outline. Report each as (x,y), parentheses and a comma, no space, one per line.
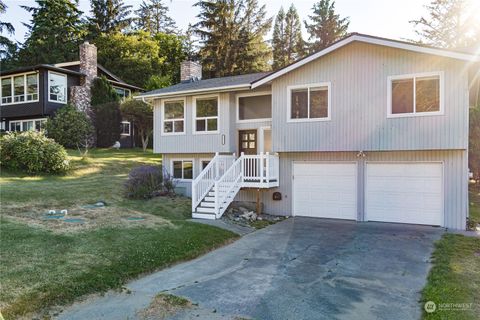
(279,41)
(287,42)
(8,48)
(108,16)
(152,16)
(326,26)
(452,24)
(231,34)
(54,33)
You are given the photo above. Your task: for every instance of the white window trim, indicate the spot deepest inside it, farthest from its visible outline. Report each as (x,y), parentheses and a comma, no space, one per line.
(251,94)
(162,116)
(66,87)
(194,114)
(22,121)
(309,86)
(183,160)
(413,76)
(129,129)
(25,74)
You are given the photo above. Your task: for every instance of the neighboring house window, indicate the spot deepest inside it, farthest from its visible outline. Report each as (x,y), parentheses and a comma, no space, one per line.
(122,93)
(29,124)
(415,95)
(254,107)
(174,117)
(182,169)
(57,87)
(19,88)
(311,102)
(125,128)
(206,114)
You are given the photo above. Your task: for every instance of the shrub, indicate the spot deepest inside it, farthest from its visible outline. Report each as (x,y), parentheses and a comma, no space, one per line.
(143,182)
(71,128)
(32,152)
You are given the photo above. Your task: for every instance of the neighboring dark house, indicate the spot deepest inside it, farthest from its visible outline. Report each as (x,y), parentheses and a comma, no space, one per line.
(29,95)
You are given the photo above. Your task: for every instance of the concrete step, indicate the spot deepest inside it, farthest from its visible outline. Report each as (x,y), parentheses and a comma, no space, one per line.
(199,215)
(205,210)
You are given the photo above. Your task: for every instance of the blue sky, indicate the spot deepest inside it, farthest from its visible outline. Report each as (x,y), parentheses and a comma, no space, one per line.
(385,18)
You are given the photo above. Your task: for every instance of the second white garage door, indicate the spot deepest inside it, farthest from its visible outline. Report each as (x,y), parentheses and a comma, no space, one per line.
(404,192)
(325,190)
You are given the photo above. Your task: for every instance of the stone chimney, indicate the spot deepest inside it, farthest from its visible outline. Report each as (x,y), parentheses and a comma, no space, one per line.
(81,95)
(190,71)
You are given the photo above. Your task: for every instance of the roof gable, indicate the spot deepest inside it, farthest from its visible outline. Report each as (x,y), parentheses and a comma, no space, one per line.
(370,40)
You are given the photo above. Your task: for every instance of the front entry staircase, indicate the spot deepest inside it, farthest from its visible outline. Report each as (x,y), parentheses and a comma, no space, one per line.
(218,184)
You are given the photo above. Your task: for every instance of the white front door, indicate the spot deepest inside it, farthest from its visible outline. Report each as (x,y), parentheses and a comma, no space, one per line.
(408,192)
(325,189)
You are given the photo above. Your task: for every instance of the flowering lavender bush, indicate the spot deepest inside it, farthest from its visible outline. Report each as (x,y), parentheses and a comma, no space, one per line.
(143,182)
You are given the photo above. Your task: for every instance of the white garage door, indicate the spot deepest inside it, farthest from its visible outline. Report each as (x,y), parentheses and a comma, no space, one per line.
(325,190)
(404,192)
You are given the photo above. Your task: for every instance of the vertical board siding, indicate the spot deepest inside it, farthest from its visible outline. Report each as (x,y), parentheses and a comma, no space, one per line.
(358,74)
(455,182)
(189,142)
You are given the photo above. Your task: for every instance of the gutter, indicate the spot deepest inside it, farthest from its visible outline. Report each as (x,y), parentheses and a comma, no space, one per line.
(185,92)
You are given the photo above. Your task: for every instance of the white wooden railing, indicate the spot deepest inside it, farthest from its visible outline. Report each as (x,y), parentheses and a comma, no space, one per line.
(204,182)
(225,176)
(227,187)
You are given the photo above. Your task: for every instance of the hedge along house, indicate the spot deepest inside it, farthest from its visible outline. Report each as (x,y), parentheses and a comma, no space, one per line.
(368,129)
(29,95)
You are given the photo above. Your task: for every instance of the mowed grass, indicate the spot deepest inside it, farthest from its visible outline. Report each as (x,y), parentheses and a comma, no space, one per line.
(40,267)
(455,275)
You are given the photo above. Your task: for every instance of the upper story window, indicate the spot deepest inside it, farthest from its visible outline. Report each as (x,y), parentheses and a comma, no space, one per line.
(57,87)
(206,114)
(125,128)
(19,88)
(122,92)
(174,117)
(254,107)
(419,94)
(309,102)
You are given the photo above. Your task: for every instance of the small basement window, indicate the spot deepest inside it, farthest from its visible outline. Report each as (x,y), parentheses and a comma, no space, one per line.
(415,95)
(182,169)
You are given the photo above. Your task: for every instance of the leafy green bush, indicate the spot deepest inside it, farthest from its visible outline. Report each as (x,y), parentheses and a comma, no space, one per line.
(32,152)
(70,127)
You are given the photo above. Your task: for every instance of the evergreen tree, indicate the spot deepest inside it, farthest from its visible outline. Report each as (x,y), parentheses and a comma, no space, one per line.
(7,47)
(108,16)
(326,27)
(231,34)
(190,44)
(279,41)
(450,24)
(54,34)
(287,42)
(152,16)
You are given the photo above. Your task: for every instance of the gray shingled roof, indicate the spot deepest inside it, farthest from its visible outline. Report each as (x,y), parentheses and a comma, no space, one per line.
(244,79)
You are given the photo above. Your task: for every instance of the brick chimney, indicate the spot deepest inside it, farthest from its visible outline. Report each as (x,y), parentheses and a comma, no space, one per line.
(190,71)
(81,95)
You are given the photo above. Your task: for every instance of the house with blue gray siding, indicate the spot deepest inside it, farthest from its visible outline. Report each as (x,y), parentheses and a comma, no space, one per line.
(367,129)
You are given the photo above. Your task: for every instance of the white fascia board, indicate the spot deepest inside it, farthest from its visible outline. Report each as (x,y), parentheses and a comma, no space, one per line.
(190,92)
(370,40)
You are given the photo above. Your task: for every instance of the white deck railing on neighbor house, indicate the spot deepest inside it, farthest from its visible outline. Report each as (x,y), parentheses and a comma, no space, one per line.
(224,176)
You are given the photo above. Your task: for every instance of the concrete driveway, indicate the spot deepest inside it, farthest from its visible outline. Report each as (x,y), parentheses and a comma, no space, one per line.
(301,268)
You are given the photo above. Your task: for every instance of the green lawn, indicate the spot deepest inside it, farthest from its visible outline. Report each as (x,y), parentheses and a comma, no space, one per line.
(46,263)
(455,275)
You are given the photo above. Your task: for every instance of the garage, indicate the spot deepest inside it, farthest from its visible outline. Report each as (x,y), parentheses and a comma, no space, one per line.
(325,189)
(408,192)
